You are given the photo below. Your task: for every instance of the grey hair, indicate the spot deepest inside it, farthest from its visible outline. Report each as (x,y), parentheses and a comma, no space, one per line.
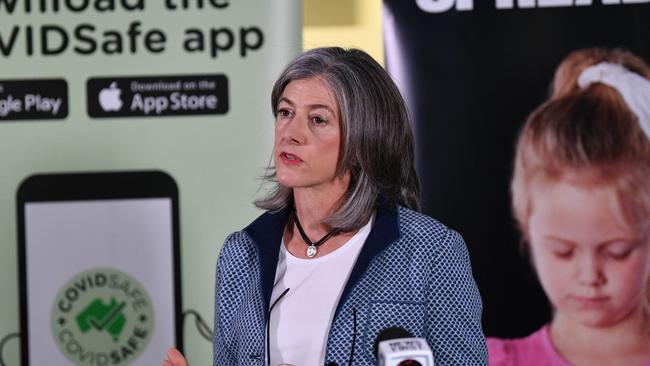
(376,144)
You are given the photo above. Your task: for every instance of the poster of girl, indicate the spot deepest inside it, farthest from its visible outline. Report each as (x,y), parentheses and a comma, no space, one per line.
(581,197)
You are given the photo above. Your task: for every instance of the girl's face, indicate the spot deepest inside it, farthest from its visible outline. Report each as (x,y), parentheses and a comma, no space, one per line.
(593,266)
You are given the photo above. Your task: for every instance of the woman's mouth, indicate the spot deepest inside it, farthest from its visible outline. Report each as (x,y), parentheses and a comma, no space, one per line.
(289,159)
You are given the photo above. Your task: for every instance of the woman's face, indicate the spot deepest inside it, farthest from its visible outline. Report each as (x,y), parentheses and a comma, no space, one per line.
(307,135)
(592,264)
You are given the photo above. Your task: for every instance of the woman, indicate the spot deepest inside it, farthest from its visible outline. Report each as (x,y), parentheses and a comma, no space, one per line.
(581,195)
(342,253)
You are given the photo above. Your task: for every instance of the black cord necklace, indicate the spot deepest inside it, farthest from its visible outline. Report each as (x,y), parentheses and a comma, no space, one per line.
(312,247)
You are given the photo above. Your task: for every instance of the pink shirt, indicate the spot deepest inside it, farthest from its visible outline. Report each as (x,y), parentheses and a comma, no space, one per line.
(534,350)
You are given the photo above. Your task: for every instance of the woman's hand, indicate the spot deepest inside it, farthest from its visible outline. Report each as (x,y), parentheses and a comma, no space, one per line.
(174,358)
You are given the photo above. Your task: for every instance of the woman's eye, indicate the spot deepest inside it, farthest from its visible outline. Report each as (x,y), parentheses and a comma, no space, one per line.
(318,120)
(284,113)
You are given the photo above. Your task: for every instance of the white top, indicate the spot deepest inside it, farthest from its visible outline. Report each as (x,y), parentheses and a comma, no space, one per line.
(301,320)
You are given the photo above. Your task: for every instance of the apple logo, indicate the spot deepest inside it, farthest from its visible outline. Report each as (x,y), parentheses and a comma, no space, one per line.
(109,98)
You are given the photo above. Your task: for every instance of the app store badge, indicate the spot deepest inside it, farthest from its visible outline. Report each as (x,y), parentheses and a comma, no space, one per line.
(157,96)
(33,99)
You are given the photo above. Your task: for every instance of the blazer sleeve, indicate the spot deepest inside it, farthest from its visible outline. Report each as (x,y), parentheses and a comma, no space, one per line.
(454,307)
(224,307)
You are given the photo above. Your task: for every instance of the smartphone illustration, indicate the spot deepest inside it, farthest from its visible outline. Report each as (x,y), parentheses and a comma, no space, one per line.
(99,268)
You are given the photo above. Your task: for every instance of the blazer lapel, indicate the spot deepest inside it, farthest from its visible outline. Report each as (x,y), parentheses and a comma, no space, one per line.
(384,231)
(266,232)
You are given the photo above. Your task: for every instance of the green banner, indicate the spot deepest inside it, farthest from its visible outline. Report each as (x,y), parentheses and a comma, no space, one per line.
(181,86)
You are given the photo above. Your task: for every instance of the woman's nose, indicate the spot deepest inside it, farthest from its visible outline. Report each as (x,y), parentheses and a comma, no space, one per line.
(293,130)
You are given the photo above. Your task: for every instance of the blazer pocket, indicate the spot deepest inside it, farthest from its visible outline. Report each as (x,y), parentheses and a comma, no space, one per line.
(385,314)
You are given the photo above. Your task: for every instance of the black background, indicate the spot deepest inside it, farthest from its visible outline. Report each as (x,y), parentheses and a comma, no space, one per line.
(470,79)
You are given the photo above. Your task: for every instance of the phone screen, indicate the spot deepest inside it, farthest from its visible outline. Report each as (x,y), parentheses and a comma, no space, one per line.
(100,280)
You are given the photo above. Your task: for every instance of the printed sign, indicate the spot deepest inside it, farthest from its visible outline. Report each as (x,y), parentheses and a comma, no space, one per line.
(471,72)
(157,96)
(164,85)
(33,99)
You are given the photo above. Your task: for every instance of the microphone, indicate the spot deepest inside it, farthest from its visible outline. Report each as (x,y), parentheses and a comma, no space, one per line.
(395,346)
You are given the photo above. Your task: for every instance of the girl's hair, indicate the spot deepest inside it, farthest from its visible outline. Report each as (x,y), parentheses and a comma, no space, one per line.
(376,138)
(589,134)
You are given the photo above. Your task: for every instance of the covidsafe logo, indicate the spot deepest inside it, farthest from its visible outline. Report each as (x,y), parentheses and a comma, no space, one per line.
(102,317)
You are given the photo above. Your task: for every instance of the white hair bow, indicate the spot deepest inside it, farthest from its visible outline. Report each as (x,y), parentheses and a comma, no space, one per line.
(634,88)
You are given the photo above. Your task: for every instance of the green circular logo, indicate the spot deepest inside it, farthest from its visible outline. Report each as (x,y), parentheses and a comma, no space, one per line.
(102,316)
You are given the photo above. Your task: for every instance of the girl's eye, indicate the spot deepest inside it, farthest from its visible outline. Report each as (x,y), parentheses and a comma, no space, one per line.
(561,250)
(618,252)
(563,253)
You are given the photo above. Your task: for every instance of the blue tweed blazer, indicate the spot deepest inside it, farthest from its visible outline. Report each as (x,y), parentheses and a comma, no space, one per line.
(412,272)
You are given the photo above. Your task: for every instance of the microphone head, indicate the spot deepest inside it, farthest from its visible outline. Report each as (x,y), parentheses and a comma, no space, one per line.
(388,334)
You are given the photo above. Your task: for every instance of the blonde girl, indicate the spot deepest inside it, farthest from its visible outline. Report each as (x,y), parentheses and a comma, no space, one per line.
(581,197)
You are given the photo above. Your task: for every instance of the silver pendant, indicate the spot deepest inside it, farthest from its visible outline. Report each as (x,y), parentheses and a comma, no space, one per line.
(311,251)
